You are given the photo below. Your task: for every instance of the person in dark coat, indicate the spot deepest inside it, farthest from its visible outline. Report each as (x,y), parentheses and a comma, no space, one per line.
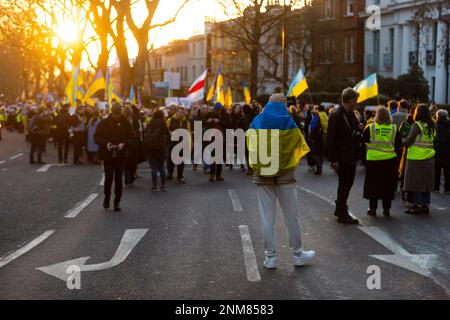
(343,141)
(442,148)
(156,139)
(249,115)
(113,135)
(36,136)
(64,122)
(221,120)
(381,167)
(237,122)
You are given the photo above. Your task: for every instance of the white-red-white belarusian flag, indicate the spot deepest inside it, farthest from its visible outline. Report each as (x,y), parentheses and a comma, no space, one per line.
(197,90)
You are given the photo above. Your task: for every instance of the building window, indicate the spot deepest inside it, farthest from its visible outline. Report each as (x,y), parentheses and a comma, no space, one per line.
(327,50)
(328,9)
(193,72)
(350,7)
(349,44)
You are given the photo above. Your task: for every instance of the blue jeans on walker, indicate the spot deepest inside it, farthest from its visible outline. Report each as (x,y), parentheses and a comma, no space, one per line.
(421,198)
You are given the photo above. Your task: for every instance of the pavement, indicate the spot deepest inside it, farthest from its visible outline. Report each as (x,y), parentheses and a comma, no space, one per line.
(202,240)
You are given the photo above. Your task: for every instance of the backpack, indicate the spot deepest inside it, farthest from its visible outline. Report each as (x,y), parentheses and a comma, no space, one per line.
(154,138)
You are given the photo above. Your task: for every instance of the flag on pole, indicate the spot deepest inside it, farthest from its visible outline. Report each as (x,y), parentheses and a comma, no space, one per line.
(298,85)
(72,87)
(98,83)
(368,88)
(228,97)
(247,96)
(197,90)
(132,97)
(220,95)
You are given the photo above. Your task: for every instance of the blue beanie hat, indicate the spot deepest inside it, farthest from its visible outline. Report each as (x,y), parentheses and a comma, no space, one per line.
(218,106)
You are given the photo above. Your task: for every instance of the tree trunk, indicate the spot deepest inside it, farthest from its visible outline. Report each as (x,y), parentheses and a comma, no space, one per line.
(142,58)
(103,58)
(254,59)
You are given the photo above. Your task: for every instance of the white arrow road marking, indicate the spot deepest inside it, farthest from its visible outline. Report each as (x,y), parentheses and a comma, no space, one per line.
(422,264)
(4,261)
(129,240)
(72,213)
(16,156)
(249,255)
(418,263)
(235,200)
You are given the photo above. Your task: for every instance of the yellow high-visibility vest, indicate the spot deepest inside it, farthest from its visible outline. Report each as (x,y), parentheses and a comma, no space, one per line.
(382,142)
(422,148)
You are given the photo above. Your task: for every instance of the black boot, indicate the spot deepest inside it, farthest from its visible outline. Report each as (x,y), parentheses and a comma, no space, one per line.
(106,202)
(117,206)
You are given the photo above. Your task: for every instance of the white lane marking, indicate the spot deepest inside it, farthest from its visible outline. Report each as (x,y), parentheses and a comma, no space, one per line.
(129,240)
(72,213)
(438,207)
(2,162)
(16,156)
(249,255)
(4,261)
(317,195)
(44,168)
(235,200)
(102,181)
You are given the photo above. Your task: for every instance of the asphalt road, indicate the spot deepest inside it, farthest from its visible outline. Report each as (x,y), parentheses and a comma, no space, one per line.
(192,242)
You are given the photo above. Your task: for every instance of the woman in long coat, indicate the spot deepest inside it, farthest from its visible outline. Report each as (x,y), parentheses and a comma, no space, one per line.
(381,171)
(419,173)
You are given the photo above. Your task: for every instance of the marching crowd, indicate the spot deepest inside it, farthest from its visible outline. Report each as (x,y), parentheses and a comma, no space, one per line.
(402,145)
(390,141)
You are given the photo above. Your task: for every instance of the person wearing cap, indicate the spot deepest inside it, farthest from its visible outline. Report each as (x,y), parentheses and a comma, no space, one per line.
(178,121)
(113,135)
(343,141)
(218,119)
(276,181)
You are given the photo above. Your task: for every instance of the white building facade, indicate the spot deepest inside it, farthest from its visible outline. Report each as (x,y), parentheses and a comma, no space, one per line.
(400,43)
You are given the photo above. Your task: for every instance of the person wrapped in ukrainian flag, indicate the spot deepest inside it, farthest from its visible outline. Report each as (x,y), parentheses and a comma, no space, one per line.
(276,147)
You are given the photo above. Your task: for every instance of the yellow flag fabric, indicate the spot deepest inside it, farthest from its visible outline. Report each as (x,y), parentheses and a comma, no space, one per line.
(229,98)
(368,88)
(211,90)
(97,84)
(72,86)
(247,96)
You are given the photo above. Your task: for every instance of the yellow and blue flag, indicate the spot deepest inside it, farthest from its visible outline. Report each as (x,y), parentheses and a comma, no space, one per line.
(97,84)
(132,97)
(247,96)
(275,143)
(220,95)
(368,88)
(298,85)
(72,86)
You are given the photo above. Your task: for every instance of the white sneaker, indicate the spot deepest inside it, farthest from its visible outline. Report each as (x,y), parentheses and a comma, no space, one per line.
(303,257)
(271,262)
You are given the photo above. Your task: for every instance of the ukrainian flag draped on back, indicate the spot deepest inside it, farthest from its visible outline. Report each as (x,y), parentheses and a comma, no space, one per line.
(368,88)
(274,125)
(298,85)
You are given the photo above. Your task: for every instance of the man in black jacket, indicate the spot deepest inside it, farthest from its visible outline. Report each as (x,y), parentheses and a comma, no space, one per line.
(113,134)
(343,137)
(442,147)
(64,122)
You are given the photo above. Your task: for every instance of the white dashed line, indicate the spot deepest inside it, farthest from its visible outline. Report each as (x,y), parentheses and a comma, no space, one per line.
(72,213)
(249,255)
(44,168)
(4,261)
(235,200)
(2,162)
(16,156)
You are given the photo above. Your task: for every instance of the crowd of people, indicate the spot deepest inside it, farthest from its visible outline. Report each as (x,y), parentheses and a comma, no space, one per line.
(403,146)
(344,136)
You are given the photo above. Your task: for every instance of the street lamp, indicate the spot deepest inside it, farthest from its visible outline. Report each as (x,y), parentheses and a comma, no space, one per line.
(283,46)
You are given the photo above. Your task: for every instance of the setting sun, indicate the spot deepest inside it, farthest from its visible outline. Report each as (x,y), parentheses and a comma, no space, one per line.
(68,32)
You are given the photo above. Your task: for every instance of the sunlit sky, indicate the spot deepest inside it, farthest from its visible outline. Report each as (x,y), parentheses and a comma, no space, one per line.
(189,21)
